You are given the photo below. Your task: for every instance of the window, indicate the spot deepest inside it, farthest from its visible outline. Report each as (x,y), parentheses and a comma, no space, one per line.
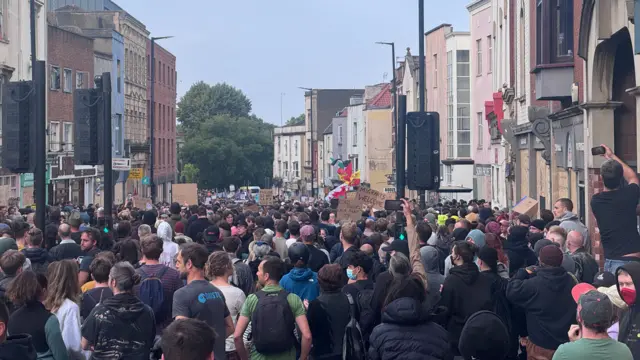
(450,112)
(435,70)
(278,147)
(339,135)
(463,106)
(309,150)
(480,131)
(2,80)
(285,169)
(81,79)
(479,57)
(554,31)
(119,77)
(356,164)
(118,140)
(54,136)
(67,137)
(296,169)
(3,30)
(55,78)
(354,136)
(286,146)
(490,54)
(68,80)
(447,174)
(295,148)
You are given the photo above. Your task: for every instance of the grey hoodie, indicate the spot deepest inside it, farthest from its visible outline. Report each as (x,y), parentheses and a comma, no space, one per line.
(570,222)
(429,257)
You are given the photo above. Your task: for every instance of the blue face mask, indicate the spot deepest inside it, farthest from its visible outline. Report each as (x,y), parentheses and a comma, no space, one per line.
(350,274)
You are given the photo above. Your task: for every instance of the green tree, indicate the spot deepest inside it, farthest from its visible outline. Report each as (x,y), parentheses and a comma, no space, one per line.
(203,101)
(190,173)
(298,120)
(227,145)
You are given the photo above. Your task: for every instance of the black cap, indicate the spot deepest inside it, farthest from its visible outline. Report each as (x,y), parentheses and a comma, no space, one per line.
(398,245)
(489,256)
(212,234)
(604,279)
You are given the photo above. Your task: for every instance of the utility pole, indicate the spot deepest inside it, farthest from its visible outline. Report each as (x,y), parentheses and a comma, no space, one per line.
(401,138)
(152,119)
(107,149)
(38,70)
(394,95)
(422,75)
(313,158)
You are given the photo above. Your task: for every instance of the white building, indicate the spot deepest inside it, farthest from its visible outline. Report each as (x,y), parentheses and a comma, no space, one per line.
(289,156)
(15,65)
(325,153)
(356,139)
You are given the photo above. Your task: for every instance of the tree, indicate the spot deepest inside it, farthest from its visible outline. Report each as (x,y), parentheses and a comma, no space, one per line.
(298,120)
(190,173)
(204,101)
(223,141)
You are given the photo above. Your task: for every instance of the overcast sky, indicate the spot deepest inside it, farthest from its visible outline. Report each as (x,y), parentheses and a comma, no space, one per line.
(269,47)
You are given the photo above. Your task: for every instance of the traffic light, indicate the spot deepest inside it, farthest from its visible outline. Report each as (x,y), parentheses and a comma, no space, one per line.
(87,116)
(423,150)
(18,127)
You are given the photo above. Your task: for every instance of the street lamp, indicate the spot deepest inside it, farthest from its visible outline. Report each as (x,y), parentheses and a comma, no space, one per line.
(313,161)
(152,114)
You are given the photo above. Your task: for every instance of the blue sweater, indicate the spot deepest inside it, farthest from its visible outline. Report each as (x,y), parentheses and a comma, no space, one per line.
(302,282)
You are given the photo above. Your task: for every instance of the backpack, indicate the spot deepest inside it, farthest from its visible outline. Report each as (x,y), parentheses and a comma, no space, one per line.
(234,277)
(151,291)
(364,303)
(353,347)
(272,323)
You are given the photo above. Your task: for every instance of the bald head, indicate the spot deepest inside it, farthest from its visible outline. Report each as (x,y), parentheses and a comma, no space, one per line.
(575,241)
(367,249)
(64,230)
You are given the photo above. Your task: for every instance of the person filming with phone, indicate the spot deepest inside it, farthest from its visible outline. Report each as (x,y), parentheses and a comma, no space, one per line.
(615,211)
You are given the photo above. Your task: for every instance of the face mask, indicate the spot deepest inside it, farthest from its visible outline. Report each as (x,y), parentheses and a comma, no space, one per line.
(628,295)
(350,274)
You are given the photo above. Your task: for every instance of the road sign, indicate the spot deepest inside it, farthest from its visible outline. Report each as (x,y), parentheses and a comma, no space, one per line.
(121,164)
(136,173)
(146,181)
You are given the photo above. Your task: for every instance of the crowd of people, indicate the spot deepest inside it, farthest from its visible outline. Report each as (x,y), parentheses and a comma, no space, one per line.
(458,280)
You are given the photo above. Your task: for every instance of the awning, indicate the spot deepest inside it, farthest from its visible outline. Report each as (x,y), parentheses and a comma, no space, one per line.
(493,109)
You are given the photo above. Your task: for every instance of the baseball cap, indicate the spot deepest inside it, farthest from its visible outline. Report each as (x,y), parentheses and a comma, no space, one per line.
(596,309)
(212,234)
(398,246)
(604,279)
(489,256)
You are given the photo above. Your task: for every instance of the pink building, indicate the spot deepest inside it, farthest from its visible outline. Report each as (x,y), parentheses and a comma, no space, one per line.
(481,92)
(448,88)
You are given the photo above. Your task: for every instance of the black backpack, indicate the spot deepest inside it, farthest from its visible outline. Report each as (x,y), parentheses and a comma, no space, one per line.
(353,347)
(151,291)
(272,323)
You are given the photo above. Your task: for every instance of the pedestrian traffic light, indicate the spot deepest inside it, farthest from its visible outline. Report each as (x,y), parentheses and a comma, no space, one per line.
(87,111)
(423,150)
(18,130)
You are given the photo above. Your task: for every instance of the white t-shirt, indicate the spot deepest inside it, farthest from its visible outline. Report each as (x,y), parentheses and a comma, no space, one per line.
(291,242)
(234,298)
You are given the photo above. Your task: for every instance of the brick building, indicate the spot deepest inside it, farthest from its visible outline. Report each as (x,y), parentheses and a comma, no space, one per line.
(70,66)
(165,152)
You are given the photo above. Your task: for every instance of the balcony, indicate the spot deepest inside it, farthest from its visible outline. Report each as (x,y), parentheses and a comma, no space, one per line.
(554,81)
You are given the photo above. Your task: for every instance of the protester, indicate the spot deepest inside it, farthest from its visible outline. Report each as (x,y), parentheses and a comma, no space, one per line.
(242,277)
(67,248)
(121,326)
(38,256)
(301,280)
(100,268)
(16,347)
(627,275)
(188,339)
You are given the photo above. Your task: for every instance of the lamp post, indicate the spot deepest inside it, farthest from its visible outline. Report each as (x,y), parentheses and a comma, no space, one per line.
(394,95)
(422,79)
(152,119)
(313,161)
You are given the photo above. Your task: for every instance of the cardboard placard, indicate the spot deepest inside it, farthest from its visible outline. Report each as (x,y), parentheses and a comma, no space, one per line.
(351,195)
(142,203)
(527,206)
(371,197)
(350,210)
(185,194)
(390,196)
(253,208)
(266,197)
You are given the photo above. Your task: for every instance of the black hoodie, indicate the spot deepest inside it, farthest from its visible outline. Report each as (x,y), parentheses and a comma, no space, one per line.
(40,259)
(408,332)
(629,329)
(546,299)
(18,347)
(464,293)
(120,327)
(518,251)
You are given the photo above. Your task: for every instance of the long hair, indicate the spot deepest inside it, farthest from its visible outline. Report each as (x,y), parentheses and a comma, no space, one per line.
(63,284)
(494,242)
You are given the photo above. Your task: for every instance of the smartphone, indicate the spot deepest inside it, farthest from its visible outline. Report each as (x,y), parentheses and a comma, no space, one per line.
(598,150)
(393,205)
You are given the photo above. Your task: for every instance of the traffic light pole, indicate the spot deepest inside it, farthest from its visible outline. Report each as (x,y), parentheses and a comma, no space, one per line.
(38,77)
(152,124)
(108,166)
(401,147)
(422,79)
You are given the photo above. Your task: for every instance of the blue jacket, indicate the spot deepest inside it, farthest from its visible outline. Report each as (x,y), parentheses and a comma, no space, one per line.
(302,282)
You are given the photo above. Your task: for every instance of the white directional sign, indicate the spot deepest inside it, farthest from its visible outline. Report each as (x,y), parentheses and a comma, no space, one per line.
(121,164)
